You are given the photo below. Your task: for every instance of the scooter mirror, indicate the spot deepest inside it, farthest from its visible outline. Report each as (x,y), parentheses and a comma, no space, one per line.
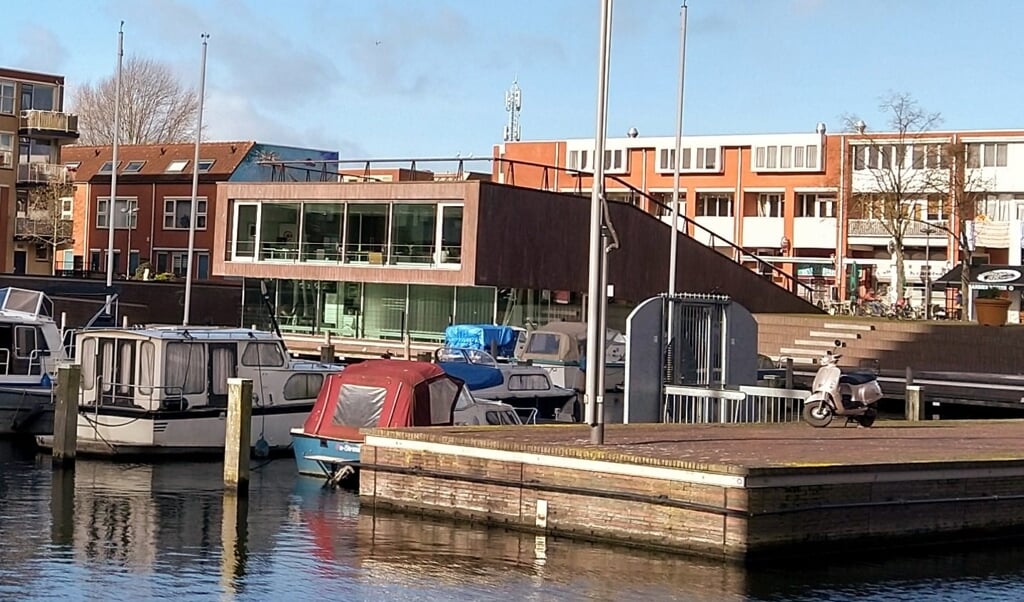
(838,343)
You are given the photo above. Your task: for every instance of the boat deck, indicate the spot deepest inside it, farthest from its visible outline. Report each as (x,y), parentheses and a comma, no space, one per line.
(728,490)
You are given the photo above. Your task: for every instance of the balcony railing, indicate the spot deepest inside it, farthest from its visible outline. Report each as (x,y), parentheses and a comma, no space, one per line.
(42,173)
(49,122)
(874,227)
(25,227)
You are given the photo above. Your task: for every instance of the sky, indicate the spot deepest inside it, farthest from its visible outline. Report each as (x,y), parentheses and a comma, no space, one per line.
(417,78)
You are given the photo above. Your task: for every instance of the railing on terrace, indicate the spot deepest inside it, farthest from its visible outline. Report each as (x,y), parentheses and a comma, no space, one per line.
(874,227)
(353,253)
(49,121)
(42,173)
(316,171)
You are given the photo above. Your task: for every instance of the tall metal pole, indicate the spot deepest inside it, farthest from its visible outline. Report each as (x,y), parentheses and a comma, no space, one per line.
(674,243)
(112,201)
(195,189)
(595,296)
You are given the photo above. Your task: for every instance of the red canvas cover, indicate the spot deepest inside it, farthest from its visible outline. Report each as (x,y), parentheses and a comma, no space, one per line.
(386,393)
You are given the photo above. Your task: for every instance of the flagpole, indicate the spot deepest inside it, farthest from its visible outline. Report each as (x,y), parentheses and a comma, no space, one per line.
(112,201)
(595,296)
(195,189)
(673,249)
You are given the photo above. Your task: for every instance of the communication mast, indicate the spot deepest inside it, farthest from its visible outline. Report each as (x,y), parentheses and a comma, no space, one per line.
(513,104)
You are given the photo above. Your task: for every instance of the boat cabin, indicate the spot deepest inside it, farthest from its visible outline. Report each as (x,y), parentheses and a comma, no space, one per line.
(30,341)
(175,368)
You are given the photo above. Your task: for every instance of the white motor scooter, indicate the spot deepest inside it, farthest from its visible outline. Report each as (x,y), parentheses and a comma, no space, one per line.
(836,394)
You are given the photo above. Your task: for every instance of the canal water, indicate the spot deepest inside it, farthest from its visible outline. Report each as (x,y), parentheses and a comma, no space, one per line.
(166,531)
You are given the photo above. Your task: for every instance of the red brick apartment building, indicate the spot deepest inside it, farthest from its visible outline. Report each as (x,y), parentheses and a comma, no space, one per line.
(154,201)
(787,198)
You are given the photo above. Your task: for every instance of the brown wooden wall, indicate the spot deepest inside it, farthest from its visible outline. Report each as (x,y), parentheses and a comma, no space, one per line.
(534,239)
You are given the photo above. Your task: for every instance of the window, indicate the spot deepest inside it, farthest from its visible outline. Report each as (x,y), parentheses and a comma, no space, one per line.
(125,213)
(769,205)
(132,167)
(706,158)
(772,152)
(986,155)
(263,354)
(108,167)
(6,149)
(303,386)
(42,252)
(7,97)
(613,159)
(37,96)
(176,214)
(578,160)
(785,157)
(177,166)
(206,165)
(73,165)
(528,382)
(918,156)
(667,157)
(185,368)
(67,208)
(714,204)
(815,205)
(859,152)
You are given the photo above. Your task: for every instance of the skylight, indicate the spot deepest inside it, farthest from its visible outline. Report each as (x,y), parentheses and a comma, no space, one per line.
(177,166)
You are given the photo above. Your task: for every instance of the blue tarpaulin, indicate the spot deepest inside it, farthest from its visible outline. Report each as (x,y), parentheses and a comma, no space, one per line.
(479,336)
(474,375)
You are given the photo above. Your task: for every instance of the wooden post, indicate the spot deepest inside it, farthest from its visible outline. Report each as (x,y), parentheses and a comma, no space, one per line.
(789,373)
(915,403)
(327,354)
(234,536)
(910,376)
(65,417)
(237,434)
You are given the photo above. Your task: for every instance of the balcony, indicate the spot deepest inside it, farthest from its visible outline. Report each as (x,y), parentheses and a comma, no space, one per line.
(42,173)
(48,123)
(763,232)
(26,228)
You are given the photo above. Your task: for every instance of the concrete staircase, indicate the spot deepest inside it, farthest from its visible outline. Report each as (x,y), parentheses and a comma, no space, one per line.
(806,340)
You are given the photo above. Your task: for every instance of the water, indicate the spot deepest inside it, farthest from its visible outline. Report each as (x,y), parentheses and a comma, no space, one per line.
(164,531)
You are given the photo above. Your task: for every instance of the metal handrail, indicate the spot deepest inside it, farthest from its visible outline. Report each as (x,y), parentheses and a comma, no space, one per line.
(280,167)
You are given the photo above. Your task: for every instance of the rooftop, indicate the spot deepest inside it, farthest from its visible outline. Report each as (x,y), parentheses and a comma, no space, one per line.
(151,160)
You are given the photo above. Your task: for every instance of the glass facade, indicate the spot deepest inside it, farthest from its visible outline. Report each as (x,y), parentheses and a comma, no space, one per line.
(373,233)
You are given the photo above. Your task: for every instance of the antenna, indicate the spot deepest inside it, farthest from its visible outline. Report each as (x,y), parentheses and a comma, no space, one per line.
(513,104)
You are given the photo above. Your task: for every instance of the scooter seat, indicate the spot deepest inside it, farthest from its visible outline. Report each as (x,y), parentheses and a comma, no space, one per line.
(856,378)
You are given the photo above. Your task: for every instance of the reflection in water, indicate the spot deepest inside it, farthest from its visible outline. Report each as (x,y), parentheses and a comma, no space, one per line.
(166,531)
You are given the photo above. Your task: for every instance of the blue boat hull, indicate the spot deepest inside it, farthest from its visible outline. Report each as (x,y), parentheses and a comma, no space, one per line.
(307,446)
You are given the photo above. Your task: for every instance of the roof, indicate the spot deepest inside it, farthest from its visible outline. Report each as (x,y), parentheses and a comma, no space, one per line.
(226,157)
(987,275)
(411,373)
(31,76)
(200,333)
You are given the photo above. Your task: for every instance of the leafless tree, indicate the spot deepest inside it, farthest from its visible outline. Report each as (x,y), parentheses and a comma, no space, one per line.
(894,175)
(965,188)
(155,106)
(46,222)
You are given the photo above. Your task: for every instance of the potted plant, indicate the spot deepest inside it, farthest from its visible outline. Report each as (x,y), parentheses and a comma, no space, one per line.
(990,307)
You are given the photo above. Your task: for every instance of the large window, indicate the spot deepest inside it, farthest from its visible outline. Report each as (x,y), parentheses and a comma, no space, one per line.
(6,149)
(987,155)
(413,236)
(37,96)
(714,204)
(32,150)
(321,231)
(451,234)
(125,213)
(185,368)
(176,213)
(815,205)
(366,233)
(7,97)
(244,244)
(787,157)
(279,231)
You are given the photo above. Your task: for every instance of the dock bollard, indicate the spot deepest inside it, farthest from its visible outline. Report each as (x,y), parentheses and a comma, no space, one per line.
(789,373)
(65,418)
(327,354)
(915,403)
(237,433)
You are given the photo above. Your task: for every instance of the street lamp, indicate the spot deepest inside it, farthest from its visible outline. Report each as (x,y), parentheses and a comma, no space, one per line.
(927,276)
(129,213)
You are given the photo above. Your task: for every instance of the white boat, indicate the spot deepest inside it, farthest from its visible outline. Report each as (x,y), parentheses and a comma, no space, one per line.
(163,389)
(31,348)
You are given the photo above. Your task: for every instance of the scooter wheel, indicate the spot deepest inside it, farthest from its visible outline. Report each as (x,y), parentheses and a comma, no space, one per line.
(817,414)
(867,418)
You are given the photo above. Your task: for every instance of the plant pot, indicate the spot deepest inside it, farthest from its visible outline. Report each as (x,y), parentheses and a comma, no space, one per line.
(991,312)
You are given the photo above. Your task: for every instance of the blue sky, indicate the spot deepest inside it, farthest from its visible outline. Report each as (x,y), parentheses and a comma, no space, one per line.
(394,78)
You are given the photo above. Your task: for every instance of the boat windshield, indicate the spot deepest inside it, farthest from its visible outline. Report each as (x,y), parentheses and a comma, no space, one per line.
(465,400)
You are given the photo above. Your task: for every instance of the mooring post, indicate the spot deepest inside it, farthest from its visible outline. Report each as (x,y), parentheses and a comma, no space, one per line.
(65,418)
(915,403)
(789,373)
(910,376)
(234,536)
(327,354)
(237,434)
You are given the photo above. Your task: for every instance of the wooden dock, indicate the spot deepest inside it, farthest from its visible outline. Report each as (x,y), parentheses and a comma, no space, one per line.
(737,491)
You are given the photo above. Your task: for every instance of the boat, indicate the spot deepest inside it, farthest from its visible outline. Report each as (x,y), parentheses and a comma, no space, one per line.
(526,387)
(162,390)
(31,349)
(383,393)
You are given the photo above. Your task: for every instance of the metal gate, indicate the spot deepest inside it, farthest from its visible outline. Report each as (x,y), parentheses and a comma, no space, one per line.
(696,327)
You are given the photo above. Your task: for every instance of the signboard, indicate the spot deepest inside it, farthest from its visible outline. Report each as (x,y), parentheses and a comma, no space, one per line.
(998,276)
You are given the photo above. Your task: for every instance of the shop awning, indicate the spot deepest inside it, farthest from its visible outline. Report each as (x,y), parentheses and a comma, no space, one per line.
(986,275)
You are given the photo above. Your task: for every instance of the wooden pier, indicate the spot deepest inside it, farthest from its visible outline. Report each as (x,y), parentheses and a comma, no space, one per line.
(737,491)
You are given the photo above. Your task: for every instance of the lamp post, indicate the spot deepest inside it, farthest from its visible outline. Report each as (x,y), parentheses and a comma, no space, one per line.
(927,272)
(129,215)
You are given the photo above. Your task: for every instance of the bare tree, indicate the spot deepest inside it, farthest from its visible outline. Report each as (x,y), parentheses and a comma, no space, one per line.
(894,174)
(965,188)
(155,106)
(46,222)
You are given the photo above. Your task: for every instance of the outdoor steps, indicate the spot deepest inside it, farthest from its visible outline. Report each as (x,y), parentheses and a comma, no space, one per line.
(894,345)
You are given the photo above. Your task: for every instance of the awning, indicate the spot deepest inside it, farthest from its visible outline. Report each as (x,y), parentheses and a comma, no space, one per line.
(987,275)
